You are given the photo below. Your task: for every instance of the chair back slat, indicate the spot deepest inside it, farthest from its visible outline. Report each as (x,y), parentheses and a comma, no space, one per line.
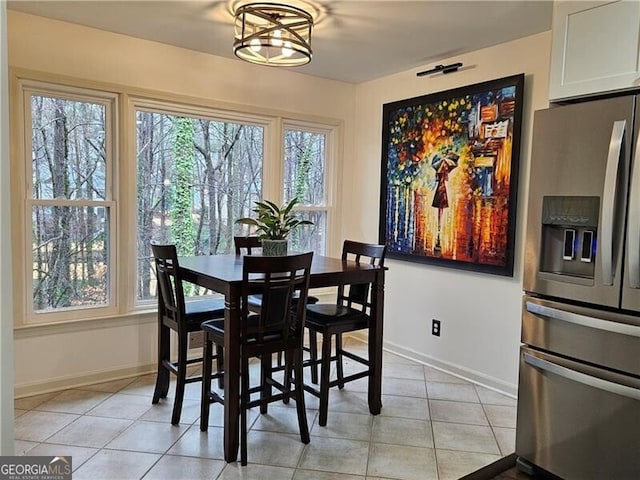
(276,305)
(246,245)
(357,295)
(170,291)
(277,280)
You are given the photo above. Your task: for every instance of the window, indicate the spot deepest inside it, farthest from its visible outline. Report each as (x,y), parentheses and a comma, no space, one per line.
(70,238)
(305,177)
(92,174)
(196,175)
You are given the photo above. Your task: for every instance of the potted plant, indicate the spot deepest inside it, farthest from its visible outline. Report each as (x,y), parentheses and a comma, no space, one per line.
(273,225)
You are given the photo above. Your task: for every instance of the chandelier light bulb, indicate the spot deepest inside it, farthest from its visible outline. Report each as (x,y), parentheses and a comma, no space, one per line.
(276,41)
(255,45)
(287,51)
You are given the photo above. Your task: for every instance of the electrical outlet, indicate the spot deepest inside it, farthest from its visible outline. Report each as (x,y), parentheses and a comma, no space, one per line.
(435,327)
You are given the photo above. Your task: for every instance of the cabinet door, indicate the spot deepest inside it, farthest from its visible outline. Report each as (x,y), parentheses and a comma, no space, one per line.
(595,48)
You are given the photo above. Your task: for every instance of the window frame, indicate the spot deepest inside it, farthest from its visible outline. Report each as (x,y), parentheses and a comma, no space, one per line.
(177,108)
(110,100)
(330,187)
(122,183)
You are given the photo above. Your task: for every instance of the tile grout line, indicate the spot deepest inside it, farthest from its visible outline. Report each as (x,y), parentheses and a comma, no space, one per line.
(433,433)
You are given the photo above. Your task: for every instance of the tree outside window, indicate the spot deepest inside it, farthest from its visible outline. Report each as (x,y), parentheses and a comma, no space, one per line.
(305,153)
(195,177)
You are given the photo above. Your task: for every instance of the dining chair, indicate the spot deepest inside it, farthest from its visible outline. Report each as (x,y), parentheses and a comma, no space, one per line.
(249,245)
(350,312)
(183,317)
(277,328)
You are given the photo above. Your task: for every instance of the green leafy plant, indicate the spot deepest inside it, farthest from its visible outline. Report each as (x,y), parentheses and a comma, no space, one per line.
(274,222)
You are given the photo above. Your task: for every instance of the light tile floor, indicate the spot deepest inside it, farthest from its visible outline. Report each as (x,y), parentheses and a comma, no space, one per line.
(432,426)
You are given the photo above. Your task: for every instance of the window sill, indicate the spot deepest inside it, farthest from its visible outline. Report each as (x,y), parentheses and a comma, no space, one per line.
(138,317)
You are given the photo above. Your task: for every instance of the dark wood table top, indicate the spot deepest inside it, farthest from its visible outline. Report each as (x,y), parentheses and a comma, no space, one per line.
(218,272)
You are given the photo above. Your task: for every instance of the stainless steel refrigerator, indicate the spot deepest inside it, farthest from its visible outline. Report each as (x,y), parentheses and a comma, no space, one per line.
(579,384)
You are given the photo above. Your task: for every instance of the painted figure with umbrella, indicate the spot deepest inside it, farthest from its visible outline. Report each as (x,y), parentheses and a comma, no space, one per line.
(442,165)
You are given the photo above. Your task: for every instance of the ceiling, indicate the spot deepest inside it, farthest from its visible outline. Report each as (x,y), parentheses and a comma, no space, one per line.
(353,41)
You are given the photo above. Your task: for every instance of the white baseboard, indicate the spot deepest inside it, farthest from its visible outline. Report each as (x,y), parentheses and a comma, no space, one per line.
(461,372)
(71,381)
(74,381)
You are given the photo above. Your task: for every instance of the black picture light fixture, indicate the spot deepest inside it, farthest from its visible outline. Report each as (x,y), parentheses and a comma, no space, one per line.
(441,69)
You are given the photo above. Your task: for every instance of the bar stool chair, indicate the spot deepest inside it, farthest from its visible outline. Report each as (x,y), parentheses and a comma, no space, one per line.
(277,328)
(251,245)
(182,317)
(351,312)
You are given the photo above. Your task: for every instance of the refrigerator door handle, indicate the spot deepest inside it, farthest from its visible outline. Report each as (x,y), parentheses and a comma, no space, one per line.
(609,200)
(633,230)
(583,320)
(583,378)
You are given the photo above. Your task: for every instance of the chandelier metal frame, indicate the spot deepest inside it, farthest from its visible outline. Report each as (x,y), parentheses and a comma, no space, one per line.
(273,34)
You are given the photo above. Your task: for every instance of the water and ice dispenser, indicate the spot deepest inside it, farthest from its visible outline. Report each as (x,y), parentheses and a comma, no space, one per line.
(569,235)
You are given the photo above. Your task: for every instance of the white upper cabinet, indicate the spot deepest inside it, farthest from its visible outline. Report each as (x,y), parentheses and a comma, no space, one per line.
(595,49)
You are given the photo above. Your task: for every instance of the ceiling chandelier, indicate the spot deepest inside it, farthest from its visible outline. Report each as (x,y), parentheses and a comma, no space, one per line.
(273,34)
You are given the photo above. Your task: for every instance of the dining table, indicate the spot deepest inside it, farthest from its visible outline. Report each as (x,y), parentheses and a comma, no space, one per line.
(223,274)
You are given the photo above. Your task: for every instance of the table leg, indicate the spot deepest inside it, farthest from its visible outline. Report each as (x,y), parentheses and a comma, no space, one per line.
(375,344)
(231,374)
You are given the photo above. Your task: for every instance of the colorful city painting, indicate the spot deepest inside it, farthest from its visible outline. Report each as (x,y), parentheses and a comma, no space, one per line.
(449,176)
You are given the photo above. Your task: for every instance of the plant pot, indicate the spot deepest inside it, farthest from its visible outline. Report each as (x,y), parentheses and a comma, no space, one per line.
(274,248)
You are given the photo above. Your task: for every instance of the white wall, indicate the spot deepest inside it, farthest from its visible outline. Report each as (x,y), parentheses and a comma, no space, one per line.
(72,50)
(480,313)
(6,317)
(53,357)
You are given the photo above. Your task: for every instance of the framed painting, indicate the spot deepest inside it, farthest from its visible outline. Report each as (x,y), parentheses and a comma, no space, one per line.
(449,176)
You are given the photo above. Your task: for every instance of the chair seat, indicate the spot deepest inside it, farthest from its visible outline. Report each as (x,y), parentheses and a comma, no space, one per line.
(329,312)
(310,300)
(216,329)
(200,310)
